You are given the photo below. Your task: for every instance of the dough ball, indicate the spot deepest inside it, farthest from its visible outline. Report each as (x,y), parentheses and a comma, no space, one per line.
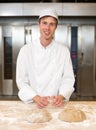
(71,114)
(39,116)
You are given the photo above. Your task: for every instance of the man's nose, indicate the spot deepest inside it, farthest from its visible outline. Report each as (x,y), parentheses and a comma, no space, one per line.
(48,26)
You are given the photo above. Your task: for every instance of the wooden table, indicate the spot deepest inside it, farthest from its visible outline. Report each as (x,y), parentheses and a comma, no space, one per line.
(13,116)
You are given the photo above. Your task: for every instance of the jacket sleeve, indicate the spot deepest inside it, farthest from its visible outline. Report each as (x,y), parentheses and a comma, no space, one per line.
(26,92)
(67,83)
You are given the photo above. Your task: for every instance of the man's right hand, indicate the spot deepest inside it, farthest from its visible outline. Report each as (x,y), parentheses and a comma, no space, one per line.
(41,101)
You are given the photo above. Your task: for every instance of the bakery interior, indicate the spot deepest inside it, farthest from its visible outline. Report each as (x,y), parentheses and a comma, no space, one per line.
(77,21)
(76,29)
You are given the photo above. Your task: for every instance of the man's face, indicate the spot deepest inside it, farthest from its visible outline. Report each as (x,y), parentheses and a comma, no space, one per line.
(47,27)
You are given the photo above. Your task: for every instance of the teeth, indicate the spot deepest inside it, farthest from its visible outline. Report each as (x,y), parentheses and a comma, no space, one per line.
(46,32)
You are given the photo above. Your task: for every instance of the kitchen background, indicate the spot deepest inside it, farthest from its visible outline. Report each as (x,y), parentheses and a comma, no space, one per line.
(76,29)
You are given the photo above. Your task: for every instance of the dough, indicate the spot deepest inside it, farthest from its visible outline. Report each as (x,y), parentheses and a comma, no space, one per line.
(71,114)
(39,116)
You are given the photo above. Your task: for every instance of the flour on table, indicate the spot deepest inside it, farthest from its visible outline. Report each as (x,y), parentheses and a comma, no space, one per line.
(39,116)
(72,114)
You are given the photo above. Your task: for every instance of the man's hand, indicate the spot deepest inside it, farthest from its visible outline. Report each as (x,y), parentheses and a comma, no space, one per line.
(41,101)
(58,101)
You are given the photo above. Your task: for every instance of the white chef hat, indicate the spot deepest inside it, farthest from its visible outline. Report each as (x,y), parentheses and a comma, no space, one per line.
(48,12)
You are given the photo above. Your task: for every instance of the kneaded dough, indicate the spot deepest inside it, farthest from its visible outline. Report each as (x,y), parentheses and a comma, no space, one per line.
(72,114)
(39,116)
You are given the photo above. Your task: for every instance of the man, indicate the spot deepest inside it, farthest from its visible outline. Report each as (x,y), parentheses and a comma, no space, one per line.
(44,69)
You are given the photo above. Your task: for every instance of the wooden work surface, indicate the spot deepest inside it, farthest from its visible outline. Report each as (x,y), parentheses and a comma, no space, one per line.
(13,117)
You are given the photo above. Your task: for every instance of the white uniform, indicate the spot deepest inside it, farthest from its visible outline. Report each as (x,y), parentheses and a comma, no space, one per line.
(44,71)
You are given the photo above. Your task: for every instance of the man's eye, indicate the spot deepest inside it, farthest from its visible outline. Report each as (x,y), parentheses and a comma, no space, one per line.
(44,23)
(52,24)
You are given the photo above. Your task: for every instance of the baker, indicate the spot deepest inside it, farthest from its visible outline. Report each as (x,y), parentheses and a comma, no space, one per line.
(44,68)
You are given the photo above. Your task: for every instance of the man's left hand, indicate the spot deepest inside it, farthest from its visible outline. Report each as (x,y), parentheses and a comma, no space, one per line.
(58,101)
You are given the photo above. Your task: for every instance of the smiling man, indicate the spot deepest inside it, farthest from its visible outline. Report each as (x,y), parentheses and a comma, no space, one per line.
(44,68)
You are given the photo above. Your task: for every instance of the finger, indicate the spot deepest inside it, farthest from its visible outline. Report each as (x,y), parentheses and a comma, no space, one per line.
(42,103)
(58,102)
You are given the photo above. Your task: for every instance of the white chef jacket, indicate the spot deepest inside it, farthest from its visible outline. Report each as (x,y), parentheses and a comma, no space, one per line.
(44,71)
